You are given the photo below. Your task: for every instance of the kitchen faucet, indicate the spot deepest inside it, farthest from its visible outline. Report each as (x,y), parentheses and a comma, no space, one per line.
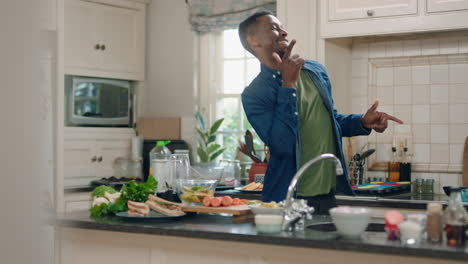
(291,213)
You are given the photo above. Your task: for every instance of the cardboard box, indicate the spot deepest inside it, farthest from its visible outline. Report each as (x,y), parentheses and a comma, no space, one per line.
(159,127)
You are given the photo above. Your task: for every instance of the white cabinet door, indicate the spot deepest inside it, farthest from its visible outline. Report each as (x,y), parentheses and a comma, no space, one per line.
(434,6)
(80,161)
(122,35)
(357,9)
(81,34)
(108,152)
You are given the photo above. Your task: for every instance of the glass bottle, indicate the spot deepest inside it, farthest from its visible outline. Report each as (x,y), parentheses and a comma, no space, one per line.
(394,167)
(454,216)
(159,164)
(405,166)
(434,222)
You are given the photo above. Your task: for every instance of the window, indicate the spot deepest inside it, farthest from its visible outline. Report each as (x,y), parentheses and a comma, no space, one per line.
(237,68)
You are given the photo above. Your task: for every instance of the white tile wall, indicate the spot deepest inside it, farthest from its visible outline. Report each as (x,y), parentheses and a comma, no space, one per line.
(439,114)
(423,81)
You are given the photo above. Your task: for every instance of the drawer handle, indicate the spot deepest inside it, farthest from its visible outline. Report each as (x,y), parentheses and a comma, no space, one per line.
(97,46)
(103,47)
(370,12)
(93,159)
(99,159)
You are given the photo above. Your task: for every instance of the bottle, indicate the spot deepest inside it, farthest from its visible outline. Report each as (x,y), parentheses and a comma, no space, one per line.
(405,166)
(434,222)
(159,164)
(394,167)
(454,216)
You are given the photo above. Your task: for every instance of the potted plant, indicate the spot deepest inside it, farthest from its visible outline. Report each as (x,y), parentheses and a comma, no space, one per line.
(208,150)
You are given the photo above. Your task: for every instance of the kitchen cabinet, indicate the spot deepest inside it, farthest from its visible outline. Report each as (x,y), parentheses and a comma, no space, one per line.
(104,39)
(342,18)
(90,156)
(368,9)
(77,201)
(434,6)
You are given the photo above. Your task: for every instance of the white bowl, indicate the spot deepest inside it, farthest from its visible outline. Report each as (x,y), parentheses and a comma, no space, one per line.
(257,210)
(268,223)
(350,221)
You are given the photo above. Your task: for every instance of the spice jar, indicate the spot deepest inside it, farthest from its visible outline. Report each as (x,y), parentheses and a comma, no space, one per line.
(434,222)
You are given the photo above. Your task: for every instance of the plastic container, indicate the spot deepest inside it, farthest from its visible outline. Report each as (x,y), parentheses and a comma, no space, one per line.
(434,222)
(454,218)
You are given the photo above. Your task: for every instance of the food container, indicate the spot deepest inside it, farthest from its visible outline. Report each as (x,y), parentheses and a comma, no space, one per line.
(268,223)
(350,221)
(192,192)
(266,208)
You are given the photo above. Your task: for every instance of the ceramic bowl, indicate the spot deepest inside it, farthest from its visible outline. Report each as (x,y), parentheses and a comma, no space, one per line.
(257,210)
(350,221)
(266,223)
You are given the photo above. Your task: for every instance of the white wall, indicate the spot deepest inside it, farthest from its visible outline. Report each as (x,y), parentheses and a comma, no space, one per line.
(169,61)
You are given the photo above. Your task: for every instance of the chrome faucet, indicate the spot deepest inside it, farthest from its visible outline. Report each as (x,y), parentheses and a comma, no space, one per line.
(291,216)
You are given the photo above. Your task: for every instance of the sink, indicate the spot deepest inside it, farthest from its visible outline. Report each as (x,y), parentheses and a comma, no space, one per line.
(330,227)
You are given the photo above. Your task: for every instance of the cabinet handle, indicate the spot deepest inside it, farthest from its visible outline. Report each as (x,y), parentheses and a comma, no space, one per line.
(103,47)
(370,12)
(99,159)
(97,46)
(93,159)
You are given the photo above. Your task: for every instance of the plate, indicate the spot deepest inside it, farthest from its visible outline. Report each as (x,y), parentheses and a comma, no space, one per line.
(247,191)
(154,216)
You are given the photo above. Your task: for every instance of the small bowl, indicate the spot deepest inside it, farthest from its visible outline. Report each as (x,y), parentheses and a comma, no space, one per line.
(350,221)
(192,192)
(266,223)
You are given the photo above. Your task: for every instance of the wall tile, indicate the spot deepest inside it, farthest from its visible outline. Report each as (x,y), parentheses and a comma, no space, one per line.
(430,47)
(439,74)
(385,95)
(458,73)
(377,50)
(403,94)
(394,48)
(402,75)
(453,180)
(458,93)
(458,133)
(421,114)
(439,93)
(358,104)
(404,113)
(359,87)
(456,153)
(439,114)
(412,47)
(359,68)
(458,113)
(360,50)
(439,134)
(421,94)
(463,45)
(420,74)
(421,133)
(384,76)
(440,153)
(384,152)
(448,45)
(422,153)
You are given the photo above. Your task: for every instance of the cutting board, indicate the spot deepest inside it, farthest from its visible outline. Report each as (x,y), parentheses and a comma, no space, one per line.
(465,164)
(234,210)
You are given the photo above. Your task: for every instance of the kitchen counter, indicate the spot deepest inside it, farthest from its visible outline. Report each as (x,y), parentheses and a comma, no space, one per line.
(216,227)
(400,201)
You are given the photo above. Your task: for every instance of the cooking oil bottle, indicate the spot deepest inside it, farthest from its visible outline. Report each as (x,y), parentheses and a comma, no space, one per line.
(394,167)
(454,216)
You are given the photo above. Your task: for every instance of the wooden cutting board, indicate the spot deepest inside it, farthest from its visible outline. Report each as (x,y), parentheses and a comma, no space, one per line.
(234,210)
(465,164)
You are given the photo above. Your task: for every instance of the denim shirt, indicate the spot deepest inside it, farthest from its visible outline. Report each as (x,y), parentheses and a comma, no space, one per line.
(272,111)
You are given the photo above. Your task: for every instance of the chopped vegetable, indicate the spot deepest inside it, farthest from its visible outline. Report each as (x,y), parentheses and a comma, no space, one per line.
(101,190)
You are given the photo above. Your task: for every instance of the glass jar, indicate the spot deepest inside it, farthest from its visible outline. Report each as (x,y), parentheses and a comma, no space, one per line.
(428,186)
(418,186)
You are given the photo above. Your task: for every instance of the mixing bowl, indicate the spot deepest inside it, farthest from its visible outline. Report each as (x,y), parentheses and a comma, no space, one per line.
(350,221)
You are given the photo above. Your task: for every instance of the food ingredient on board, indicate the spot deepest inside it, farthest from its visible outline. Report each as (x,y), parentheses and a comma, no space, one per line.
(222,201)
(195,194)
(253,186)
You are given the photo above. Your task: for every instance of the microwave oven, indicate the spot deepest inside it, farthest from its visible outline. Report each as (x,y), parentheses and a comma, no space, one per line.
(97,101)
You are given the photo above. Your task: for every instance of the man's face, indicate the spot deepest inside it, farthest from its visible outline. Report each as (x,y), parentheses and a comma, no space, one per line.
(270,34)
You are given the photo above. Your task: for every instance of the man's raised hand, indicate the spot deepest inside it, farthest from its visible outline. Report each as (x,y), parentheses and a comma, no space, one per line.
(376,120)
(289,66)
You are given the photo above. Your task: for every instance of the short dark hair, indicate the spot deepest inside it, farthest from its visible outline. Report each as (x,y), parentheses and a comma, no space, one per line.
(245,25)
